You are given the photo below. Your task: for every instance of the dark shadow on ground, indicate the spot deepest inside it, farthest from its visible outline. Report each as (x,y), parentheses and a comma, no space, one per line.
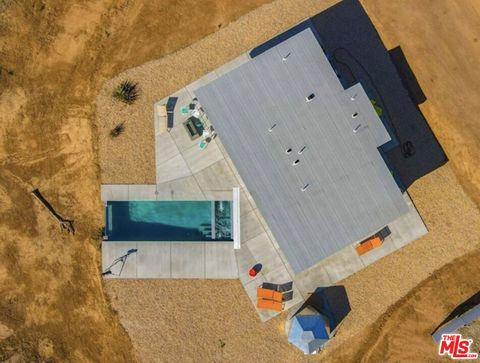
(468,304)
(407,76)
(357,53)
(284,36)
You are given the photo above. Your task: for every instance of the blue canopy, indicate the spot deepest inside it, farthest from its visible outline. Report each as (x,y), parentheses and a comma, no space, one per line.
(308,333)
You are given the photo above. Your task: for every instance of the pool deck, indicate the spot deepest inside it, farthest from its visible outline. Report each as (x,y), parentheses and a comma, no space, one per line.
(167,260)
(185,172)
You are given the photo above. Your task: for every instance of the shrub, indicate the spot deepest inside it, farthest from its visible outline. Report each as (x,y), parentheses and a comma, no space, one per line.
(118,130)
(127,92)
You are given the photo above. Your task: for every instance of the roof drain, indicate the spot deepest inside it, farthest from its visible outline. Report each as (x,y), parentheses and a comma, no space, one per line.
(272,127)
(310,97)
(288,151)
(304,187)
(301,150)
(296,162)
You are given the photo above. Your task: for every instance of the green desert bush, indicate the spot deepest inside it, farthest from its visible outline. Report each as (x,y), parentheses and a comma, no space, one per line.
(118,130)
(127,92)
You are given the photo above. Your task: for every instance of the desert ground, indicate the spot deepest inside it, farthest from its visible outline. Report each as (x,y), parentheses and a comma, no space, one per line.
(59,62)
(55,56)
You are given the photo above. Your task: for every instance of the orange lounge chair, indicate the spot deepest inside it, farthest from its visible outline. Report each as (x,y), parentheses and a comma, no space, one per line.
(269,294)
(269,304)
(368,245)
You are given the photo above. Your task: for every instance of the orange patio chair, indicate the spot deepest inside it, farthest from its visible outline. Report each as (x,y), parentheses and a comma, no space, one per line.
(269,294)
(269,304)
(368,245)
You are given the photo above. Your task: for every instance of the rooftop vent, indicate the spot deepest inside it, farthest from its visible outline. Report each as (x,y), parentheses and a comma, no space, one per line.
(296,162)
(289,150)
(357,128)
(353,97)
(304,187)
(301,150)
(272,127)
(354,114)
(310,97)
(284,59)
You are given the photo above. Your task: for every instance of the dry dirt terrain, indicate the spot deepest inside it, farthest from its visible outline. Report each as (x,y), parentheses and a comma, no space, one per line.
(55,55)
(55,59)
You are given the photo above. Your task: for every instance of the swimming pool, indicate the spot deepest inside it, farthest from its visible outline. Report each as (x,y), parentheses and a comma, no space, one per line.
(168,221)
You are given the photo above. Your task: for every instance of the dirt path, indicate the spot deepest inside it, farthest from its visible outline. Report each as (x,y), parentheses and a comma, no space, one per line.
(54,57)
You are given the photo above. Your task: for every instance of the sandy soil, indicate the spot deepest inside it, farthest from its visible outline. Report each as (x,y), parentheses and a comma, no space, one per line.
(417,290)
(403,332)
(198,321)
(54,58)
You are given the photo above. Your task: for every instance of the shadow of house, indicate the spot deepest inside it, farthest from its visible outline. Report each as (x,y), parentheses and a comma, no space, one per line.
(357,54)
(280,38)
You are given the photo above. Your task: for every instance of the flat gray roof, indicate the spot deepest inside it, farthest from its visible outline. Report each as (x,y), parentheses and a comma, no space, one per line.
(351,193)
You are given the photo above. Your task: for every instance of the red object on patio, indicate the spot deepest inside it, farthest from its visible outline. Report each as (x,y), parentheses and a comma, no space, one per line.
(253,272)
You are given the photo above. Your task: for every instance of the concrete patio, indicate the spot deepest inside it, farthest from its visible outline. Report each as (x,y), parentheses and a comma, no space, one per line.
(166,260)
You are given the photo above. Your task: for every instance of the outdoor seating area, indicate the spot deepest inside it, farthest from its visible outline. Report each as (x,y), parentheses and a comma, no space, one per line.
(189,113)
(273,296)
(163,115)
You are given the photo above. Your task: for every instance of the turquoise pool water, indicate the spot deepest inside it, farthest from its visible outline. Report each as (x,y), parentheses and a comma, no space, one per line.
(168,221)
